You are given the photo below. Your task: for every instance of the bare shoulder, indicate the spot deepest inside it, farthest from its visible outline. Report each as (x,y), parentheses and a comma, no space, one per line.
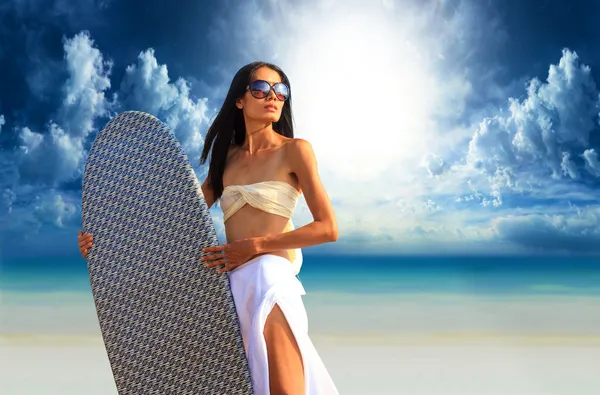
(300,149)
(299,146)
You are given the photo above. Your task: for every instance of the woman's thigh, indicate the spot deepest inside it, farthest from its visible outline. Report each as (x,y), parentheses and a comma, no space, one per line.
(286,371)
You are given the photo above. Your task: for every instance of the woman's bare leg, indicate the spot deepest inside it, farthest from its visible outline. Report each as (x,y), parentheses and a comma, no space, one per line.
(286,372)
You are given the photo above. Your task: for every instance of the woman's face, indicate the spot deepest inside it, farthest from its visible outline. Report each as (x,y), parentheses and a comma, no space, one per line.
(267,109)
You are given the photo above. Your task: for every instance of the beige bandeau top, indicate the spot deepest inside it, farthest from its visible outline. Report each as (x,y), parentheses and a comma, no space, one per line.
(274,197)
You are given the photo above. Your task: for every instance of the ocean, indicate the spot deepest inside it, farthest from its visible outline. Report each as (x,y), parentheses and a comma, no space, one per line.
(371,274)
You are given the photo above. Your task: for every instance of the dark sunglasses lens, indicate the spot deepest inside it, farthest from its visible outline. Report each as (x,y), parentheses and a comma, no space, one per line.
(259,89)
(281,91)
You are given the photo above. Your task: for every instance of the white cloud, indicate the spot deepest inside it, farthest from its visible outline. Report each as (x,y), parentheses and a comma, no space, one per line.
(84,91)
(591,161)
(52,208)
(491,146)
(147,87)
(43,159)
(543,135)
(535,150)
(2,122)
(56,154)
(49,158)
(433,163)
(30,140)
(568,166)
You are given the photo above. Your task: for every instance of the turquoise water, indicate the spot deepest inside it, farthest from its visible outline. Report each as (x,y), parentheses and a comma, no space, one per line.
(480,275)
(392,274)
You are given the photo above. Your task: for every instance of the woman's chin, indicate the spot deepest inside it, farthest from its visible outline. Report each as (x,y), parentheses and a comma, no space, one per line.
(268,118)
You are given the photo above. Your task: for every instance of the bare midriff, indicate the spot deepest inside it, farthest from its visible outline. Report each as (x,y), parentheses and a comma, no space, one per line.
(250,222)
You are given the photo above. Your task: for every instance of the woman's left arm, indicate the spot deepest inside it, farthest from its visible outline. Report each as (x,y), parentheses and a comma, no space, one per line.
(324,228)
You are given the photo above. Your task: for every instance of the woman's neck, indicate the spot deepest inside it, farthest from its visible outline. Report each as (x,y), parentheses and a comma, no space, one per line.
(258,136)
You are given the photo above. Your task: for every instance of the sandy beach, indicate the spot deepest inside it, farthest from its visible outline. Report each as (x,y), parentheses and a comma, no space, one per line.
(79,366)
(372,344)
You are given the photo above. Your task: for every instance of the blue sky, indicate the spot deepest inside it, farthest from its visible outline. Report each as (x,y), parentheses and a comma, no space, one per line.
(446,127)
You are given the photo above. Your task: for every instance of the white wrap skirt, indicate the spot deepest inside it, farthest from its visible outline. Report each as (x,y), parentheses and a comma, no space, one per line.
(257,286)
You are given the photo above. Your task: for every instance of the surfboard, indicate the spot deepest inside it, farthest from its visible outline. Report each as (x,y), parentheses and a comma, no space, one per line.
(169,324)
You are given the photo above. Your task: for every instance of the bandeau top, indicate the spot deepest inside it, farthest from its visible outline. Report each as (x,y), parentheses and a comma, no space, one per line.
(274,197)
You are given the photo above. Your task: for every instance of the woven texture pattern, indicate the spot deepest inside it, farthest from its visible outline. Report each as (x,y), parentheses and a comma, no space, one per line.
(169,324)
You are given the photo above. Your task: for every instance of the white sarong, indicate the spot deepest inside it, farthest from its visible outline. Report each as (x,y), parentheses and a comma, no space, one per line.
(257,286)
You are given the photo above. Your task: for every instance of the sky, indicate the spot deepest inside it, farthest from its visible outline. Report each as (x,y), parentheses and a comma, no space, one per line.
(440,126)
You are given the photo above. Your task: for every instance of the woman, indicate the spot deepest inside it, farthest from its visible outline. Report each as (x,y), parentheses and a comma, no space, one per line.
(258,170)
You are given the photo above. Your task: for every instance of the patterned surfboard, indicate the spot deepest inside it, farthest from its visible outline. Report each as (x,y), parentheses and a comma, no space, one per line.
(169,325)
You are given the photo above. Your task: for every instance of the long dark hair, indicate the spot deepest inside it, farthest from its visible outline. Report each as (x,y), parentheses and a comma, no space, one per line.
(229,127)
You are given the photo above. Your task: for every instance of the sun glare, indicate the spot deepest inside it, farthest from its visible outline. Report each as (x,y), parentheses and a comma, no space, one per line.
(362,94)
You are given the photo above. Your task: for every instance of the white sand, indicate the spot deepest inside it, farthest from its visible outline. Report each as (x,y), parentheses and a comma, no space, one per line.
(464,370)
(378,344)
(358,367)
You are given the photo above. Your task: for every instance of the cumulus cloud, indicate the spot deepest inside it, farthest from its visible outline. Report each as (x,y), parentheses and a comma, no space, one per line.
(47,157)
(491,146)
(147,87)
(56,154)
(543,135)
(60,145)
(53,154)
(559,113)
(85,89)
(51,157)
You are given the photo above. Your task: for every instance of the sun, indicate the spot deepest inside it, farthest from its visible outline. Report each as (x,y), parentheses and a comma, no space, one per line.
(362,94)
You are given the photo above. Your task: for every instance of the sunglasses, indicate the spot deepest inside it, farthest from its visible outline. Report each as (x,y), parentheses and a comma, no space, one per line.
(260,89)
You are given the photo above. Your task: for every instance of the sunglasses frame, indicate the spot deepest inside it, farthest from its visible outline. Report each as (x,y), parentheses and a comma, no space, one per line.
(271,88)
